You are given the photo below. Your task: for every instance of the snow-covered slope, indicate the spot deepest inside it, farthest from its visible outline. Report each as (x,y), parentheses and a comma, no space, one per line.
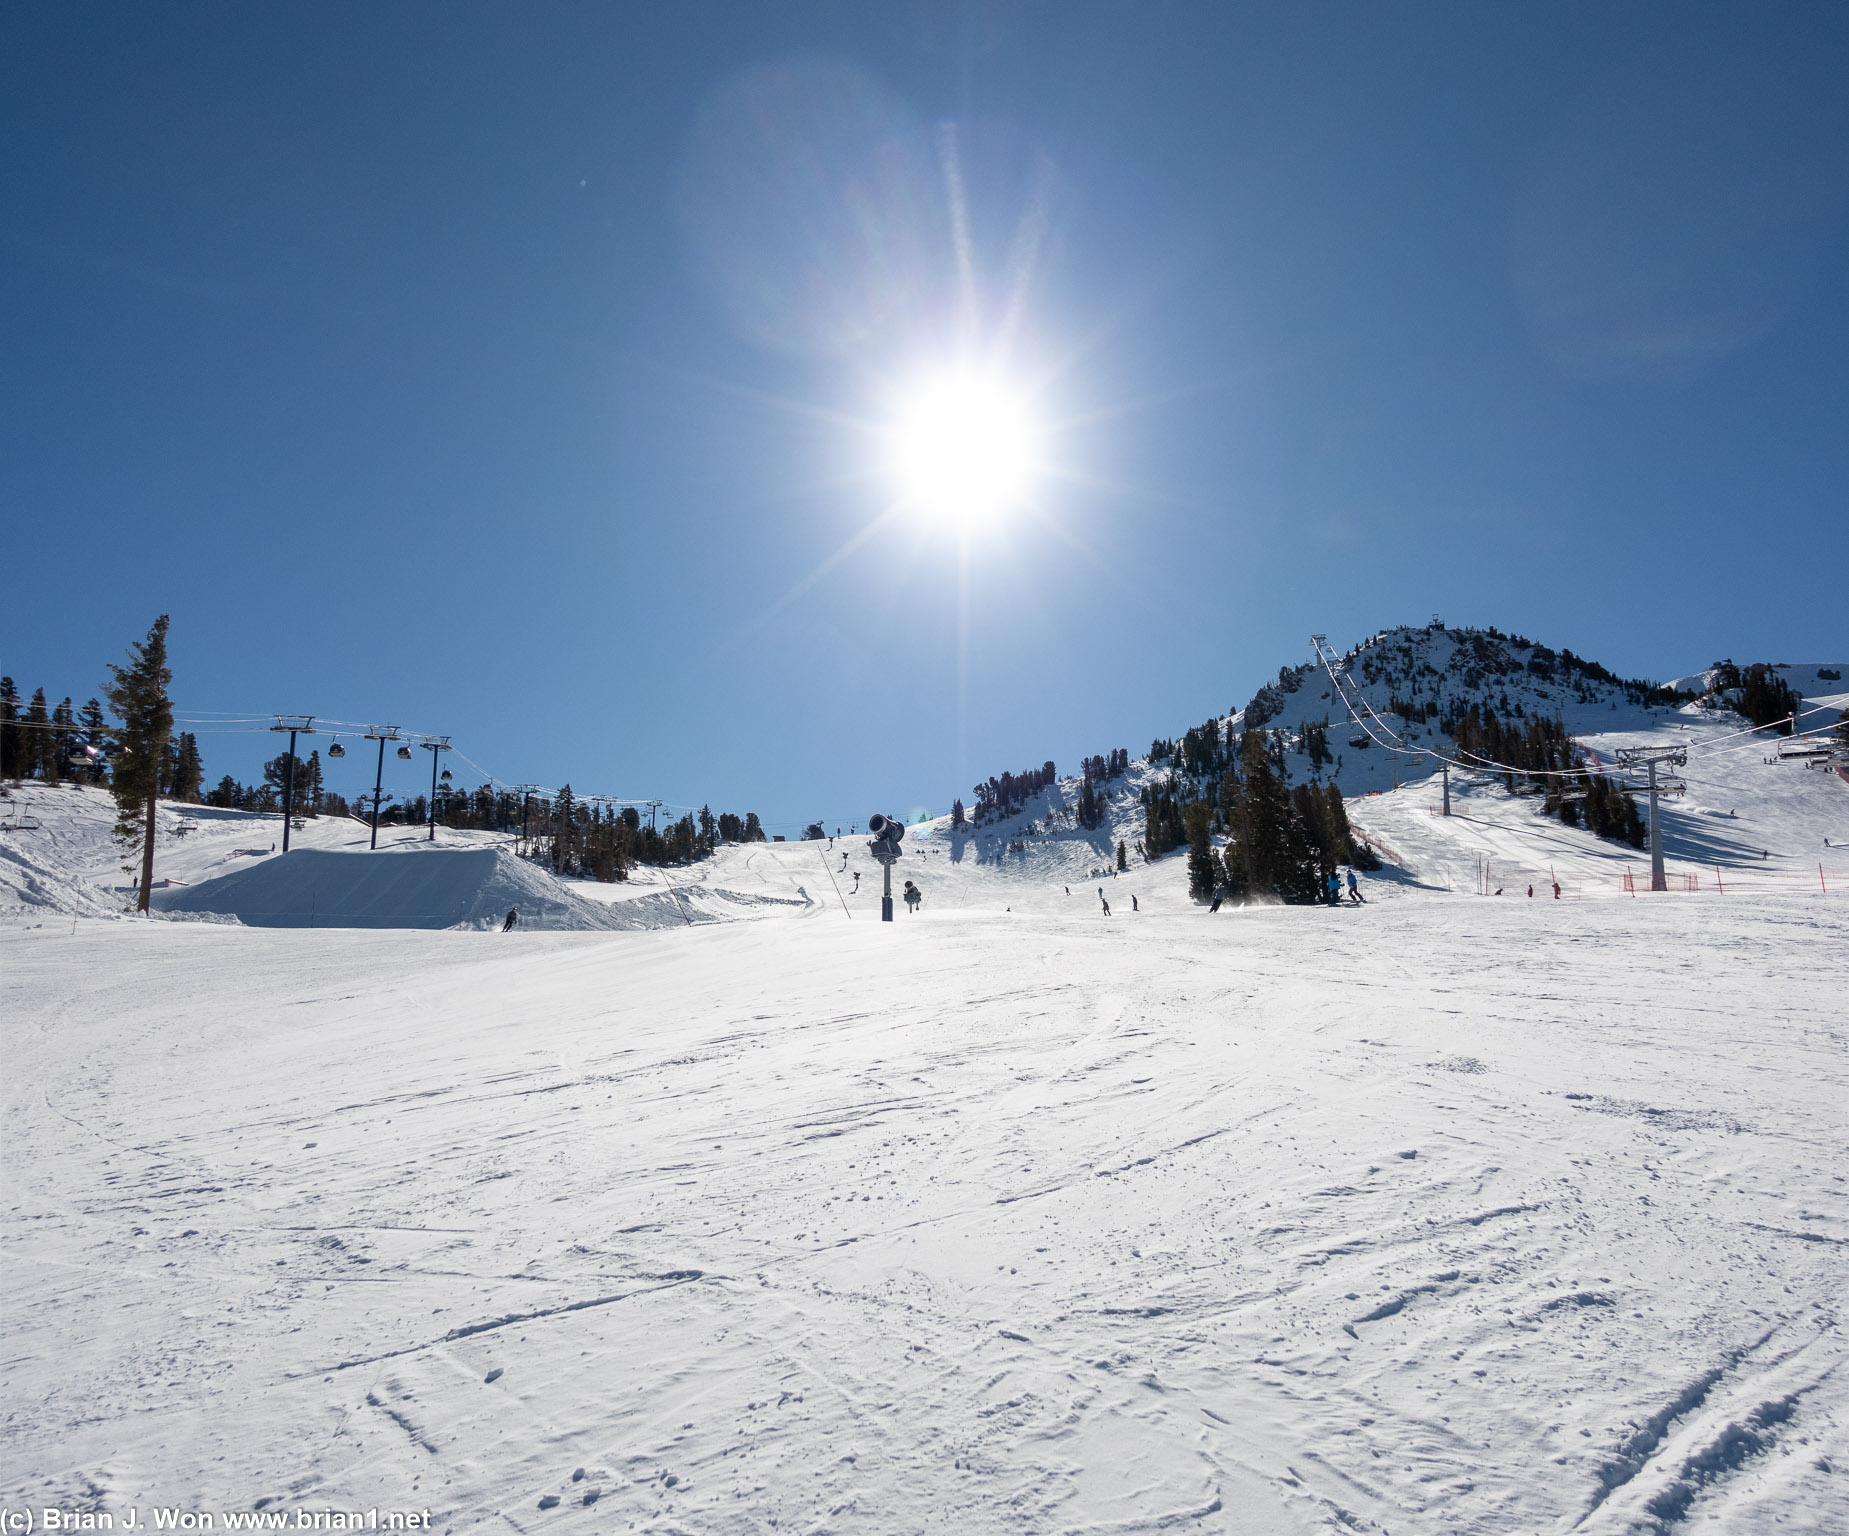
(1445,1214)
(1751,821)
(423,887)
(1439,1218)
(211,862)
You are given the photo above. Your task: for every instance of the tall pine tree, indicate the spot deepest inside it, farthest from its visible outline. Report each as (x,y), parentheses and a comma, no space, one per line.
(1203,867)
(37,743)
(188,771)
(10,732)
(138,695)
(95,738)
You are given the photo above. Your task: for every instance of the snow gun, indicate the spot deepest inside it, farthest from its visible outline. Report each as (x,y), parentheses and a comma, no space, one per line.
(887,835)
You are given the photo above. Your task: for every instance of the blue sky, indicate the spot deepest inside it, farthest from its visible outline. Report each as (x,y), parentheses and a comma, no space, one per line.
(520,372)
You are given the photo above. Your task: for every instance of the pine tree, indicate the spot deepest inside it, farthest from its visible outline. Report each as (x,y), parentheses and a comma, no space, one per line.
(1272,847)
(37,743)
(64,749)
(1123,855)
(1203,867)
(957,814)
(138,695)
(754,831)
(10,732)
(276,781)
(308,790)
(188,771)
(95,737)
(564,832)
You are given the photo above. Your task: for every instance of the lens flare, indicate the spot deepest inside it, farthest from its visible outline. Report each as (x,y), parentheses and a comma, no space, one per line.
(964,448)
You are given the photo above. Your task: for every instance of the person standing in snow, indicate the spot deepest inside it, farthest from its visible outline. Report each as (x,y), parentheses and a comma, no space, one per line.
(1354,888)
(913,896)
(513,916)
(1134,907)
(1103,903)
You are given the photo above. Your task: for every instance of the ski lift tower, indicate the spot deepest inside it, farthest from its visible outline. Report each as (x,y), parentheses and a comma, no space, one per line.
(303,725)
(1648,758)
(380,734)
(436,746)
(887,835)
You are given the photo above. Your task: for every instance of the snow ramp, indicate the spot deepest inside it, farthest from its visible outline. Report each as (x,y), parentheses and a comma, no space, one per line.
(426,888)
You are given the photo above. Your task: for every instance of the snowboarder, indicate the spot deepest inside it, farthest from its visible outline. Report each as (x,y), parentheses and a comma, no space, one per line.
(913,896)
(856,890)
(1531,893)
(1218,897)
(1134,907)
(1103,903)
(1556,890)
(513,916)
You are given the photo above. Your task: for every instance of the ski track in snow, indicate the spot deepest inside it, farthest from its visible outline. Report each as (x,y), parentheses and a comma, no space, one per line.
(955,1225)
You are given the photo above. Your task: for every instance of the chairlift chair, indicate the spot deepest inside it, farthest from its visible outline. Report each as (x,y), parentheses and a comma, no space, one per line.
(335,749)
(445,776)
(405,753)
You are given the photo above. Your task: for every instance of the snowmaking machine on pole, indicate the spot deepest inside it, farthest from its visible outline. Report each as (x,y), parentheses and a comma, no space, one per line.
(887,835)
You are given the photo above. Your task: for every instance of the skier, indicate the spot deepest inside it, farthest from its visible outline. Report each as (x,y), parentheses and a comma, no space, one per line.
(1354,888)
(1134,906)
(513,917)
(1556,890)
(1102,902)
(1335,890)
(1531,893)
(913,896)
(856,890)
(1218,897)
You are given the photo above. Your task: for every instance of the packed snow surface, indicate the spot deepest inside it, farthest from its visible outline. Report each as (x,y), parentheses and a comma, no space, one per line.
(1427,1216)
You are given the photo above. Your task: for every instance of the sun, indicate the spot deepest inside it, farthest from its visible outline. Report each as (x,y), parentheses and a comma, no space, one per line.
(964,447)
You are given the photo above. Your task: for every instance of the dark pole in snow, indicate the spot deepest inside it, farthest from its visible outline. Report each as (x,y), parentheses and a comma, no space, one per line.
(1658,882)
(435,746)
(380,734)
(378,787)
(288,793)
(292,724)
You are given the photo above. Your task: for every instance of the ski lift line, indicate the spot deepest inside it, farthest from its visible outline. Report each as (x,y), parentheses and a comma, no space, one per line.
(1770,725)
(1485,765)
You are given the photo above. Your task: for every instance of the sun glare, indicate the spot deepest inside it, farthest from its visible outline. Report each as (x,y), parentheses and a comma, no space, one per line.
(965,448)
